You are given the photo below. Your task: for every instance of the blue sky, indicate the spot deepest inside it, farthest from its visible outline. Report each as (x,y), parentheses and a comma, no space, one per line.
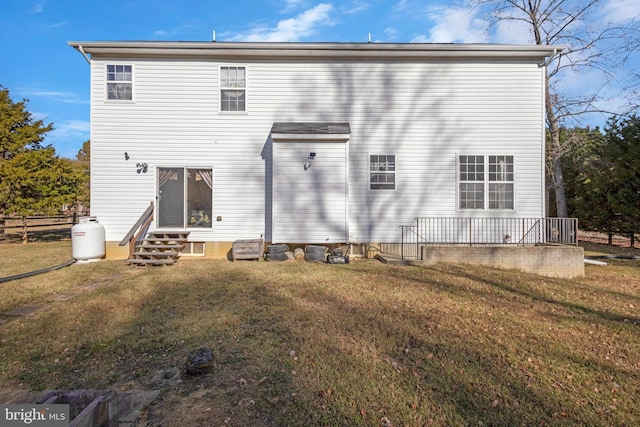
(37,64)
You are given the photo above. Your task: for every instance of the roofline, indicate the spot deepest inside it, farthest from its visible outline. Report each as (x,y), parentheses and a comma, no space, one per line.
(307,50)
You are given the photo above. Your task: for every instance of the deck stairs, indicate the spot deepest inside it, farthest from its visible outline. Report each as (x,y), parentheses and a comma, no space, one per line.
(159,248)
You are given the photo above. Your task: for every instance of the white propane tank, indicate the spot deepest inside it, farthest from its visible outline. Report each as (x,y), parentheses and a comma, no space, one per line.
(87,239)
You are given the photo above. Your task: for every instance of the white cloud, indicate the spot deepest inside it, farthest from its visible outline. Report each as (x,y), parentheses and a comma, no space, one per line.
(64,97)
(455,24)
(356,7)
(57,24)
(512,32)
(390,33)
(464,22)
(67,137)
(293,29)
(291,5)
(173,32)
(617,11)
(37,8)
(401,5)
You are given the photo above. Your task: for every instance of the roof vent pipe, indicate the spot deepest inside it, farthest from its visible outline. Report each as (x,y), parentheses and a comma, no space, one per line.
(214,36)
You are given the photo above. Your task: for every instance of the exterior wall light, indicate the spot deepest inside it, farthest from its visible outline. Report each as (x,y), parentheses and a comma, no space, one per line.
(310,158)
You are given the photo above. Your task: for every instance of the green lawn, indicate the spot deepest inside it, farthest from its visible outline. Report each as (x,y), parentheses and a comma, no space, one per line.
(300,344)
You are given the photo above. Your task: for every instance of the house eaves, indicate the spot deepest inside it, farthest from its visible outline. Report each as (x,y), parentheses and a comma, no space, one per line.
(351,51)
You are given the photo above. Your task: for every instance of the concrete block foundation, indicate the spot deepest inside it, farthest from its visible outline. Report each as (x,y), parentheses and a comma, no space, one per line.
(550,261)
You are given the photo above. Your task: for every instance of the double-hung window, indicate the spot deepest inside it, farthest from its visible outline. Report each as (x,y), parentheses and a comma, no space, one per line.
(120,82)
(485,182)
(382,172)
(471,181)
(233,87)
(500,182)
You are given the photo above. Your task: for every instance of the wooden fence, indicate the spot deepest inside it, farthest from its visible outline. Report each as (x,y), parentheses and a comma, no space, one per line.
(14,228)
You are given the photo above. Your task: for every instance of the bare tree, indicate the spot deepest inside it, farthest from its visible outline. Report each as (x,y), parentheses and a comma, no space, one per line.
(591,43)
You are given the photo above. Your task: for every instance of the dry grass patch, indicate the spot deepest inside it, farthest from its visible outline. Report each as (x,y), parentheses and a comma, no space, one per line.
(314,344)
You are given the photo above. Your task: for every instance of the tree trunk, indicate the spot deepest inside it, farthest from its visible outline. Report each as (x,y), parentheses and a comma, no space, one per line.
(555,151)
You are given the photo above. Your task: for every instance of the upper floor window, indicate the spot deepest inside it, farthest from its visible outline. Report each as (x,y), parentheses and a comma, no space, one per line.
(233,84)
(120,82)
(482,187)
(382,170)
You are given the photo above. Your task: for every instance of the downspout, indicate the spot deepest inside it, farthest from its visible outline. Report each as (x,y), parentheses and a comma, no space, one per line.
(545,192)
(544,64)
(81,49)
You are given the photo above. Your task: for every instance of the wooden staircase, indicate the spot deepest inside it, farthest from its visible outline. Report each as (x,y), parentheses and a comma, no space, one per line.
(158,248)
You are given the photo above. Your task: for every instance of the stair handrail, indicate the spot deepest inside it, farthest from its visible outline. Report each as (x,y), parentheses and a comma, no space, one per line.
(138,230)
(536,225)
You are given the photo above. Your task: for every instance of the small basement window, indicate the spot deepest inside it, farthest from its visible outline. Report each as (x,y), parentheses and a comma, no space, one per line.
(193,249)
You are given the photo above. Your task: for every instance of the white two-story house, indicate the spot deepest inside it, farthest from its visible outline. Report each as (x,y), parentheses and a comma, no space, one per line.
(318,143)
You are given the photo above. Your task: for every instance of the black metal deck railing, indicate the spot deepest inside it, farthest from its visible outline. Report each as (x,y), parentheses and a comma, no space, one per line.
(443,231)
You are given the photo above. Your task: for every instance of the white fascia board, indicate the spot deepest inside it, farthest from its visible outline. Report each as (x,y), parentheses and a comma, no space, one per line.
(240,50)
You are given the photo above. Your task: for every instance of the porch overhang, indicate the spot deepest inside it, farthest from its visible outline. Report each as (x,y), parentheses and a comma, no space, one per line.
(310,131)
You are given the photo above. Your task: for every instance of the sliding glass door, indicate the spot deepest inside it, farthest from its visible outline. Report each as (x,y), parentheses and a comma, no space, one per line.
(185,198)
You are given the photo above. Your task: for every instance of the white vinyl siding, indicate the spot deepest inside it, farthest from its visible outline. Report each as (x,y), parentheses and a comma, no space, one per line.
(310,197)
(423,113)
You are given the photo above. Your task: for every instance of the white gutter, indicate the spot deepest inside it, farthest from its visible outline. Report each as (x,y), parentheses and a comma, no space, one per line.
(551,57)
(319,50)
(80,48)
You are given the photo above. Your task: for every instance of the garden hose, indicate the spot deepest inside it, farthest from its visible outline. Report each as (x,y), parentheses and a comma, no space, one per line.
(33,273)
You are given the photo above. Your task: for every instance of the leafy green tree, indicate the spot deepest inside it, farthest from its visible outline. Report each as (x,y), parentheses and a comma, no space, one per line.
(37,181)
(33,180)
(579,165)
(622,157)
(84,154)
(608,185)
(82,163)
(18,130)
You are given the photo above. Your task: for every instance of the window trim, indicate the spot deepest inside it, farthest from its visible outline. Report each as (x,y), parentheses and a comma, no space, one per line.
(486,182)
(393,172)
(108,82)
(245,88)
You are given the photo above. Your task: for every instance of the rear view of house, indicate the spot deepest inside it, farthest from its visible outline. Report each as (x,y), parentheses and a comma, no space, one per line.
(312,143)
